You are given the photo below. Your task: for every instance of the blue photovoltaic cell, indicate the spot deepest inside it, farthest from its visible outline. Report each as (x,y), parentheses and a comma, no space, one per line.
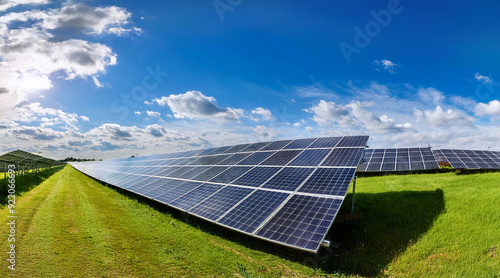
(237,148)
(195,196)
(233,159)
(310,157)
(167,186)
(404,159)
(302,222)
(219,203)
(230,174)
(177,191)
(194,172)
(206,151)
(469,159)
(355,141)
(281,157)
(276,145)
(250,213)
(329,181)
(327,142)
(220,150)
(254,147)
(187,161)
(255,158)
(256,176)
(288,178)
(300,143)
(180,171)
(210,173)
(152,188)
(211,160)
(344,157)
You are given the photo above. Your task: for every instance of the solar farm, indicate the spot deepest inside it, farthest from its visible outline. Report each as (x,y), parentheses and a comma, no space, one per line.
(293,202)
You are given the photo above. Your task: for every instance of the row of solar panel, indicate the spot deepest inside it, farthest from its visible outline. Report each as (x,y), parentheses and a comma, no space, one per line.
(403,159)
(321,181)
(469,159)
(297,144)
(301,222)
(325,157)
(302,200)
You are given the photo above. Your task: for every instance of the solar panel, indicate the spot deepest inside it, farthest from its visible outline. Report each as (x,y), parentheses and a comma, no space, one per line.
(230,174)
(310,157)
(255,158)
(288,178)
(252,211)
(302,222)
(286,191)
(256,176)
(469,159)
(219,203)
(402,159)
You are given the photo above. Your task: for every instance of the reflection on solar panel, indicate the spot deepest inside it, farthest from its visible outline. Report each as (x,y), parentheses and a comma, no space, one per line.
(469,159)
(287,192)
(403,159)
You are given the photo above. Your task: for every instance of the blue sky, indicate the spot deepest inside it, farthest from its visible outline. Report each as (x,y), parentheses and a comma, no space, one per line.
(110,79)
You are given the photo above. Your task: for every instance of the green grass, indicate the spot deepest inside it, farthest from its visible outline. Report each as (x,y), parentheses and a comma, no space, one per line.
(428,225)
(24,182)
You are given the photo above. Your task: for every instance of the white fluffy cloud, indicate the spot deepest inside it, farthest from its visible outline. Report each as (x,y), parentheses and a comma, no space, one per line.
(152,113)
(491,108)
(386,65)
(483,79)
(36,114)
(376,124)
(352,115)
(7,4)
(263,113)
(329,112)
(442,119)
(195,105)
(32,51)
(431,95)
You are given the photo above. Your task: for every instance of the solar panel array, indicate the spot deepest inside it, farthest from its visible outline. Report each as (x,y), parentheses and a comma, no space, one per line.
(403,159)
(469,159)
(287,192)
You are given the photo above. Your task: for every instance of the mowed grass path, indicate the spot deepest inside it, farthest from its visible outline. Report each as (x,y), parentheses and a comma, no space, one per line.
(71,226)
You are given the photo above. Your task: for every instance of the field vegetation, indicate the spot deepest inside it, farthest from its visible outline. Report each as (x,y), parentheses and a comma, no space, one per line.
(426,225)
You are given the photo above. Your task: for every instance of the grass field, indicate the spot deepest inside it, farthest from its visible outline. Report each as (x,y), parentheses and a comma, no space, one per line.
(429,225)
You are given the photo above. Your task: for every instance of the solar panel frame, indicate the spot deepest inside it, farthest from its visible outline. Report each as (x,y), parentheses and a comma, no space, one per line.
(398,160)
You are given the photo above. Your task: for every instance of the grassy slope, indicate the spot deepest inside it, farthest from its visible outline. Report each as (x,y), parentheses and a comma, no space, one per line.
(70,225)
(423,225)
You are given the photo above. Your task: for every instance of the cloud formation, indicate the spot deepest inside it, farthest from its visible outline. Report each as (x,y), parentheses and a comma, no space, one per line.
(385,65)
(195,105)
(354,114)
(32,51)
(483,79)
(443,119)
(491,108)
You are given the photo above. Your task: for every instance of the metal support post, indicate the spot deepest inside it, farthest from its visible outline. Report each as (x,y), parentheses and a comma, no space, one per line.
(353,192)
